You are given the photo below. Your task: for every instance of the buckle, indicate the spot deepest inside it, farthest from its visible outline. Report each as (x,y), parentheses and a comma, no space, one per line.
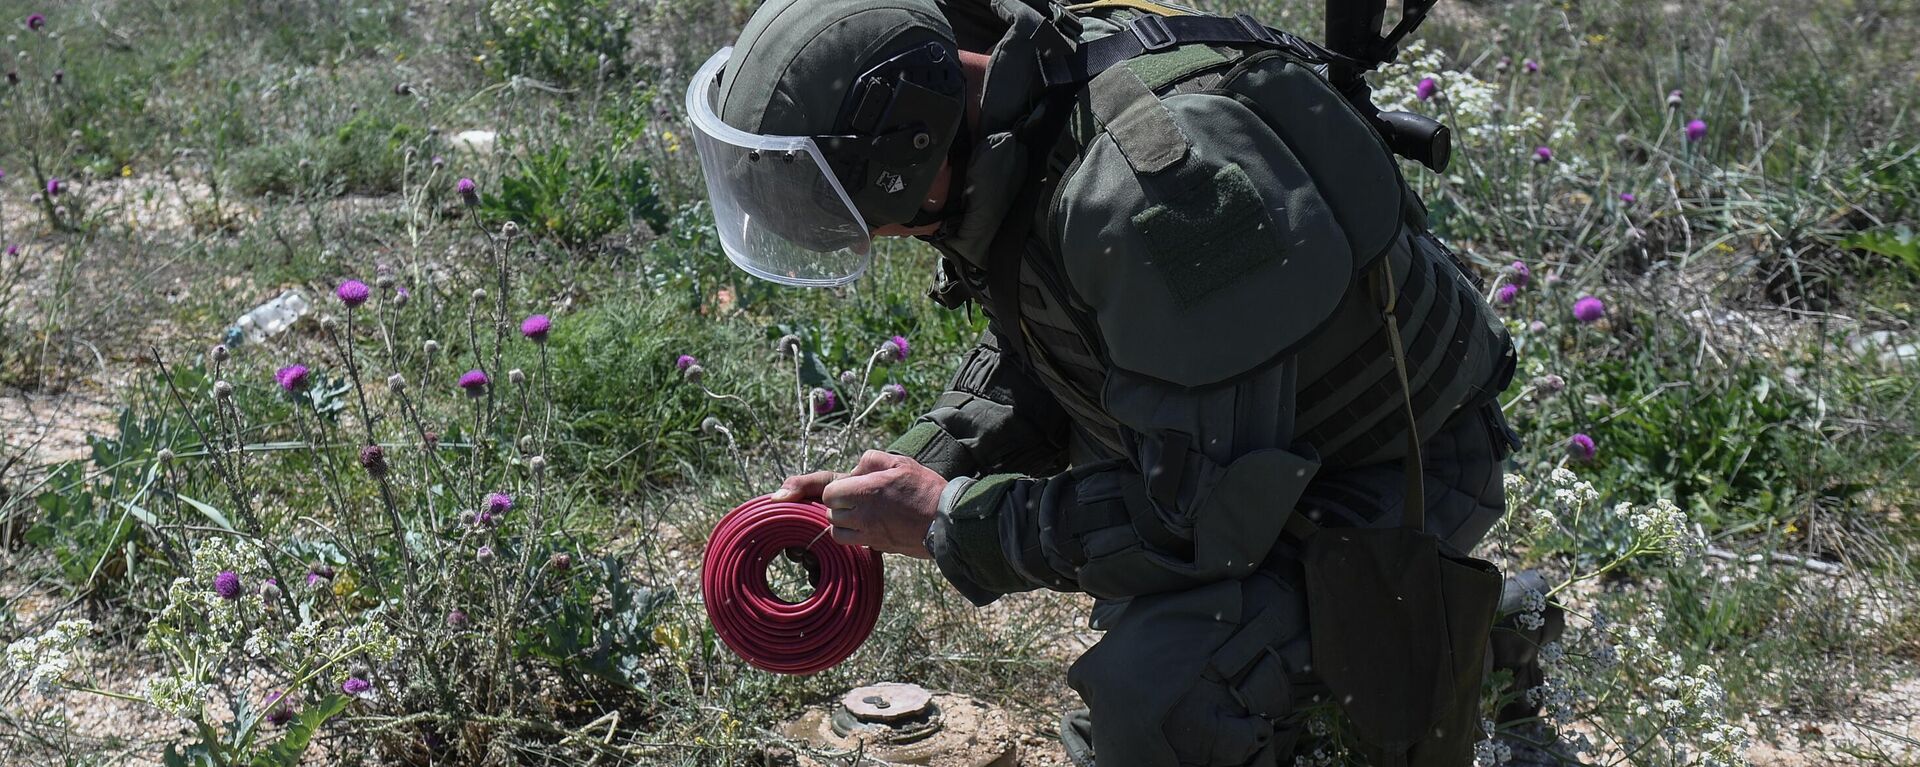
(1258,31)
(1153,33)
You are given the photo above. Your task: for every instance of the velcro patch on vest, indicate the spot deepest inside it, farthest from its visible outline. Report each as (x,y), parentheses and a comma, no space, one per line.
(1142,128)
(1158,70)
(1208,236)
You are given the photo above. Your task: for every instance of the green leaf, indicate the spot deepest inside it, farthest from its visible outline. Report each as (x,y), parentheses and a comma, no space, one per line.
(287,751)
(1898,243)
(212,514)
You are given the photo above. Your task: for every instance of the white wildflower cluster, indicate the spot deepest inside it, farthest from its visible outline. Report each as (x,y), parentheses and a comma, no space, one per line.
(312,640)
(1475,109)
(197,615)
(1491,752)
(47,660)
(223,553)
(179,696)
(1662,529)
(1570,491)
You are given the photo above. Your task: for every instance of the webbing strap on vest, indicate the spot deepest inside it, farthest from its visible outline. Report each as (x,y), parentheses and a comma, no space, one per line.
(1151,34)
(1413,509)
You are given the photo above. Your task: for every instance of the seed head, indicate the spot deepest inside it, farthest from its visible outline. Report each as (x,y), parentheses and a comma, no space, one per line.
(1549,384)
(1675,99)
(374,460)
(1537,326)
(537,464)
(484,555)
(164,455)
(222,390)
(479,294)
(787,346)
(431,347)
(439,162)
(227,584)
(396,383)
(711,425)
(456,619)
(694,373)
(560,562)
(220,353)
(849,378)
(269,590)
(517,377)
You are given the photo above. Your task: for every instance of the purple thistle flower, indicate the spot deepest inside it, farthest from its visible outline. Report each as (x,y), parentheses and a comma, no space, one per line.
(353,293)
(54,187)
(469,191)
(227,584)
(1506,294)
(474,382)
(1589,309)
(36,22)
(499,503)
(318,576)
(439,161)
(456,619)
(1581,448)
(356,686)
(685,361)
(484,555)
(1427,89)
(1696,130)
(374,460)
(279,708)
(292,378)
(535,328)
(895,349)
(1542,155)
(1628,198)
(894,393)
(1520,273)
(824,401)
(1532,66)
(13,250)
(401,295)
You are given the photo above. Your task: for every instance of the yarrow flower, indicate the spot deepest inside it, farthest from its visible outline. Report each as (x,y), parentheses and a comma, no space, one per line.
(292,378)
(824,401)
(1589,309)
(356,686)
(1696,130)
(536,327)
(1507,293)
(227,585)
(1581,448)
(685,361)
(474,382)
(1542,155)
(1427,89)
(353,293)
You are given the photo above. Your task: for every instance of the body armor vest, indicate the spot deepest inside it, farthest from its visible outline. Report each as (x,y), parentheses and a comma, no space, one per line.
(1349,399)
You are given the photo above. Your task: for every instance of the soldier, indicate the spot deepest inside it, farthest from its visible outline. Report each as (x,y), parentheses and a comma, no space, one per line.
(1224,356)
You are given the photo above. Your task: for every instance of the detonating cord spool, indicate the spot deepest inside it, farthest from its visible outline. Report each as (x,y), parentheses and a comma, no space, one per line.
(804,637)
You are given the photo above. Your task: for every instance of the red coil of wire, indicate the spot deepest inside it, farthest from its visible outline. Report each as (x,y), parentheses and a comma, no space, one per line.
(771,633)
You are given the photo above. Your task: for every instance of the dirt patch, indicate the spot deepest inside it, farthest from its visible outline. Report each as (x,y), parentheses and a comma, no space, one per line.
(47,429)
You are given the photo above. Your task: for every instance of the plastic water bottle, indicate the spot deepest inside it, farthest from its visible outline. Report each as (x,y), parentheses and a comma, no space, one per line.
(270,318)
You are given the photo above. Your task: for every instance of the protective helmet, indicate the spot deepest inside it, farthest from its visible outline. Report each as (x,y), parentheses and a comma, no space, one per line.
(826,119)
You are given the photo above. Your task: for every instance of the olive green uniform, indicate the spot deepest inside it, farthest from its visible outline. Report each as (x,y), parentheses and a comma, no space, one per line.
(1198,354)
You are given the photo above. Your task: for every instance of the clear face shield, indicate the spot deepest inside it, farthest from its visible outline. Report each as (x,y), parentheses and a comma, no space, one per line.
(781,212)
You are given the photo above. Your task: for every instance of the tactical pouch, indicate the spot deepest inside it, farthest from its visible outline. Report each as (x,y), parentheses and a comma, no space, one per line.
(1400,634)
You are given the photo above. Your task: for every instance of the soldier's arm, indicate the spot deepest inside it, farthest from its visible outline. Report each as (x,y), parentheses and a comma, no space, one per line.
(992,418)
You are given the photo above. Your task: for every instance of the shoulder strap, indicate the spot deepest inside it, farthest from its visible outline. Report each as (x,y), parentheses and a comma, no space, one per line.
(1413,513)
(1153,33)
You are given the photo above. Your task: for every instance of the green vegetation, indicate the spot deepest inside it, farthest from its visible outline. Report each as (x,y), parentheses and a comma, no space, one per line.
(1755,365)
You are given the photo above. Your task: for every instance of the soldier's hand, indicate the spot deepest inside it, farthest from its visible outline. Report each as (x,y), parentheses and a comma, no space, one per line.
(886,503)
